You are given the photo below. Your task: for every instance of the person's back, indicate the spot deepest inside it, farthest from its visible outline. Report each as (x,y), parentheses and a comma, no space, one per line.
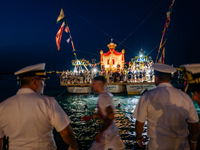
(28,117)
(105,99)
(168,110)
(25,118)
(107,137)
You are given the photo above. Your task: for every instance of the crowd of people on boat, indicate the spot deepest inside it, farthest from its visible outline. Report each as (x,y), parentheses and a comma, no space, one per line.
(124,75)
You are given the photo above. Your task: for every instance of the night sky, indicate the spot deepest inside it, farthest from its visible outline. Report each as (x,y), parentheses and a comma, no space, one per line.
(28,29)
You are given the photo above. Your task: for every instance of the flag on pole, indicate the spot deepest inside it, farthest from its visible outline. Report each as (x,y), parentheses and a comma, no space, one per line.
(68,40)
(67,29)
(160,60)
(61,16)
(59,35)
(172,4)
(73,46)
(167,22)
(163,55)
(163,44)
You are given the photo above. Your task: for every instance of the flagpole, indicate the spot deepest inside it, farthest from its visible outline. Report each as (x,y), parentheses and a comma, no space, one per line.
(167,22)
(74,50)
(60,18)
(160,46)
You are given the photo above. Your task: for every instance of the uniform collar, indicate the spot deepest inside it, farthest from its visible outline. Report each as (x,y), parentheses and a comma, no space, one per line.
(25,90)
(164,85)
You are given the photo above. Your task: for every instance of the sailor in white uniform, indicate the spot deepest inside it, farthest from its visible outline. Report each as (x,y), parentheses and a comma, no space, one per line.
(28,117)
(168,111)
(192,75)
(108,137)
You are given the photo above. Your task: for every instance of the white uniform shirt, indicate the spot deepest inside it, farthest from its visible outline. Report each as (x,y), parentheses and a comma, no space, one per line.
(28,118)
(105,100)
(167,110)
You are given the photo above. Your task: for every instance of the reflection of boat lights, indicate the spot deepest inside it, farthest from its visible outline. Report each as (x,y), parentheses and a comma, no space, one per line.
(141,55)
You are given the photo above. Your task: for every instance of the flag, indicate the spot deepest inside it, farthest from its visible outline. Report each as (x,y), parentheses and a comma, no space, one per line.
(167,22)
(163,55)
(61,16)
(75,55)
(160,60)
(168,15)
(68,40)
(73,46)
(59,35)
(163,43)
(172,4)
(67,29)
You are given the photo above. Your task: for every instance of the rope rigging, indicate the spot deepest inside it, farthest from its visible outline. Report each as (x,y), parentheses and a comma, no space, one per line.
(110,35)
(140,23)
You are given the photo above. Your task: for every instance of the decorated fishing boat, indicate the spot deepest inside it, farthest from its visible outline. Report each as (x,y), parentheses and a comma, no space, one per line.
(142,74)
(77,84)
(112,61)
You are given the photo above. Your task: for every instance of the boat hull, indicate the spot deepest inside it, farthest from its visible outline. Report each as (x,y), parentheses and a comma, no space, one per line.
(115,88)
(136,89)
(79,90)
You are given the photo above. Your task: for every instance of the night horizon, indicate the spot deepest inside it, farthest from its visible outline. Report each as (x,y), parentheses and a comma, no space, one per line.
(28,31)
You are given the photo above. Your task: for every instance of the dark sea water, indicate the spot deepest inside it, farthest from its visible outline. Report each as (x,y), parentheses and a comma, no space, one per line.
(74,106)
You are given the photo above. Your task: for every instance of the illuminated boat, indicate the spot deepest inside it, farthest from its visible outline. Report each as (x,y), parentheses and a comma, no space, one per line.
(112,61)
(144,63)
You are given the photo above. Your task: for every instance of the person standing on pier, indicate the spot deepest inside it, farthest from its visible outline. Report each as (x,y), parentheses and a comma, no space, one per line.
(168,111)
(28,117)
(108,137)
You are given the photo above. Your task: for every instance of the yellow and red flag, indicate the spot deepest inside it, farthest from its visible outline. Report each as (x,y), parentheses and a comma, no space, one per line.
(59,35)
(163,55)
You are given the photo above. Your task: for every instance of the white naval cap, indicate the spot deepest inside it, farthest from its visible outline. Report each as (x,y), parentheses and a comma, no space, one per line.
(163,68)
(193,68)
(33,70)
(192,75)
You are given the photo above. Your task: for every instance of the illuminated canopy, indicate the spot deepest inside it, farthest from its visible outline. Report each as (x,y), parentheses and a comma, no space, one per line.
(112,60)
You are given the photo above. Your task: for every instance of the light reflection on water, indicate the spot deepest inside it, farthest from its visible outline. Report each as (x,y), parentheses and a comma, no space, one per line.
(85,132)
